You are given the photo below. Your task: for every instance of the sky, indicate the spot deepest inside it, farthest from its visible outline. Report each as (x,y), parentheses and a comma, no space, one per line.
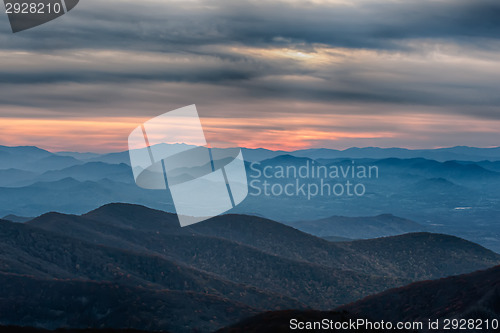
(271,74)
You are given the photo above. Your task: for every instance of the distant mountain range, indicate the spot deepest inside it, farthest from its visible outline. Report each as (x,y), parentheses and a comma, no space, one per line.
(15,218)
(359,227)
(127,266)
(27,158)
(453,197)
(460,153)
(440,154)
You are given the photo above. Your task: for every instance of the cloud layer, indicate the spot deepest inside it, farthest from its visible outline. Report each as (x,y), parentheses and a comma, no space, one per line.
(388,64)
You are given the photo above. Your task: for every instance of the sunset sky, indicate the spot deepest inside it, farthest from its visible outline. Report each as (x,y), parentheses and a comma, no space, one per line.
(273,74)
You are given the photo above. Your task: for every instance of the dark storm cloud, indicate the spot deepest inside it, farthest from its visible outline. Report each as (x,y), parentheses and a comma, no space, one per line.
(199,37)
(167,26)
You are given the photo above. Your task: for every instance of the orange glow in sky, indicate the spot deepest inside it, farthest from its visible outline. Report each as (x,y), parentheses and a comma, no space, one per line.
(278,132)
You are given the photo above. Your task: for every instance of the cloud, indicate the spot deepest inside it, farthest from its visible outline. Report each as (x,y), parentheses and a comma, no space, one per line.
(173,25)
(444,75)
(263,61)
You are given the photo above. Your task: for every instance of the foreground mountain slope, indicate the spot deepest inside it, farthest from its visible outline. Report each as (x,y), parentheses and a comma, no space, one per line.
(30,251)
(425,255)
(52,304)
(470,296)
(311,283)
(288,321)
(280,322)
(261,264)
(26,329)
(160,232)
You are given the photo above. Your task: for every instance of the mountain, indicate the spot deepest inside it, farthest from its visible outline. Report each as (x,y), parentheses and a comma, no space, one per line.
(336,239)
(52,162)
(359,227)
(469,296)
(19,329)
(78,155)
(11,177)
(493,166)
(263,242)
(112,158)
(437,191)
(33,159)
(91,171)
(25,152)
(433,169)
(126,265)
(285,160)
(53,304)
(15,157)
(474,296)
(440,154)
(71,196)
(284,241)
(444,197)
(288,275)
(417,254)
(260,154)
(288,321)
(43,259)
(18,219)
(460,197)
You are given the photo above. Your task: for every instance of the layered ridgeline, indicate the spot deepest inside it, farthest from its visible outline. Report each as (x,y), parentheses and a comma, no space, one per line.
(470,301)
(343,228)
(451,191)
(127,266)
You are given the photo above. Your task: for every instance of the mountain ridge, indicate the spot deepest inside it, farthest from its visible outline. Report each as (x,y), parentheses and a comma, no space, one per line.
(242,265)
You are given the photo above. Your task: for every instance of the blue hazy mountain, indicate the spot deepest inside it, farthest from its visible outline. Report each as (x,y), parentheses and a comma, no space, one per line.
(78,155)
(397,187)
(69,195)
(52,162)
(18,219)
(112,158)
(460,153)
(358,227)
(91,171)
(440,154)
(11,177)
(33,159)
(457,197)
(16,157)
(488,165)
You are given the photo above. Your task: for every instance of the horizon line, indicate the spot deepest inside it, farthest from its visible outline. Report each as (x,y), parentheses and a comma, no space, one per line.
(263,148)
